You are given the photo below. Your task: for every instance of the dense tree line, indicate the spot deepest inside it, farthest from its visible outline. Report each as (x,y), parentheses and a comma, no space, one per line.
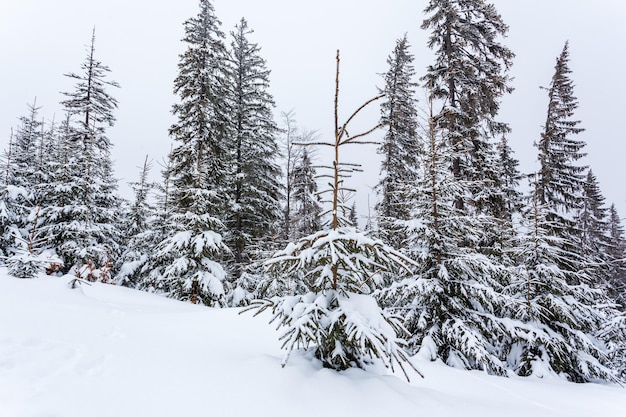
(481,274)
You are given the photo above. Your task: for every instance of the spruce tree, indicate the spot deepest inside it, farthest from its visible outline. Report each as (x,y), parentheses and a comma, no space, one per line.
(144,268)
(305,218)
(454,303)
(560,181)
(616,256)
(15,203)
(592,226)
(299,179)
(562,312)
(613,332)
(137,224)
(26,194)
(81,221)
(21,171)
(510,176)
(399,148)
(8,215)
(336,317)
(469,76)
(26,143)
(306,207)
(192,245)
(254,188)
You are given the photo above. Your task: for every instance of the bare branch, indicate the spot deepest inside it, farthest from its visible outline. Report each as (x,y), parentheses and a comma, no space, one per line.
(360,135)
(312,143)
(368,102)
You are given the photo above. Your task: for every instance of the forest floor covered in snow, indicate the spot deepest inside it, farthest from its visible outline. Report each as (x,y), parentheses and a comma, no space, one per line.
(103,351)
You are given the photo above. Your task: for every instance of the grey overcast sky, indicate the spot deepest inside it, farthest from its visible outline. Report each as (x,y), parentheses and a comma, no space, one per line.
(139,40)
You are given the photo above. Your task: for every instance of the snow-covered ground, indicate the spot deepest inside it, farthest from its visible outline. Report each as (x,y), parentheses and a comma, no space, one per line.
(106,351)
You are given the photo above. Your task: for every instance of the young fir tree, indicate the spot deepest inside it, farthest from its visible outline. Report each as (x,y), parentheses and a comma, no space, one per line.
(511,197)
(299,176)
(137,226)
(26,143)
(81,222)
(55,214)
(189,253)
(399,148)
(454,303)
(469,76)
(616,255)
(149,269)
(21,169)
(336,317)
(17,197)
(306,207)
(562,318)
(8,214)
(255,188)
(592,225)
(614,329)
(305,218)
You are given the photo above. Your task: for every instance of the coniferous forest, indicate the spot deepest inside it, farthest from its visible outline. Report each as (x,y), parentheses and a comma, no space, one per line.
(463,258)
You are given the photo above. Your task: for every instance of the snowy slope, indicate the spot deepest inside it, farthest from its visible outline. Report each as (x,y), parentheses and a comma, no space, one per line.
(105,351)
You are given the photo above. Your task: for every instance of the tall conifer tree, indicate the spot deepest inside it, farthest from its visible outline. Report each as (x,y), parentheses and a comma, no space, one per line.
(81,221)
(558,306)
(454,303)
(400,148)
(190,269)
(254,188)
(470,76)
(560,181)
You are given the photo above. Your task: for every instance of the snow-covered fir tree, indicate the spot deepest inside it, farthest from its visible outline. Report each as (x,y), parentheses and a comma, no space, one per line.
(613,330)
(616,256)
(138,225)
(563,310)
(461,233)
(560,180)
(306,207)
(305,219)
(26,143)
(560,308)
(191,249)
(80,219)
(455,303)
(19,182)
(470,77)
(510,201)
(254,183)
(299,181)
(399,147)
(18,197)
(592,225)
(142,266)
(336,317)
(8,215)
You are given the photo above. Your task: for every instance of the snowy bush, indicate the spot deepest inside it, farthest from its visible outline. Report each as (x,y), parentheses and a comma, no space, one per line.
(25,265)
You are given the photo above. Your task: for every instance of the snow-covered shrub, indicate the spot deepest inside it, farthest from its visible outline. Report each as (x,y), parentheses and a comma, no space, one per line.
(25,265)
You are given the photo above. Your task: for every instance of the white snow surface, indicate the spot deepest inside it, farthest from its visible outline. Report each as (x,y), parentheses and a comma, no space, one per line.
(103,351)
